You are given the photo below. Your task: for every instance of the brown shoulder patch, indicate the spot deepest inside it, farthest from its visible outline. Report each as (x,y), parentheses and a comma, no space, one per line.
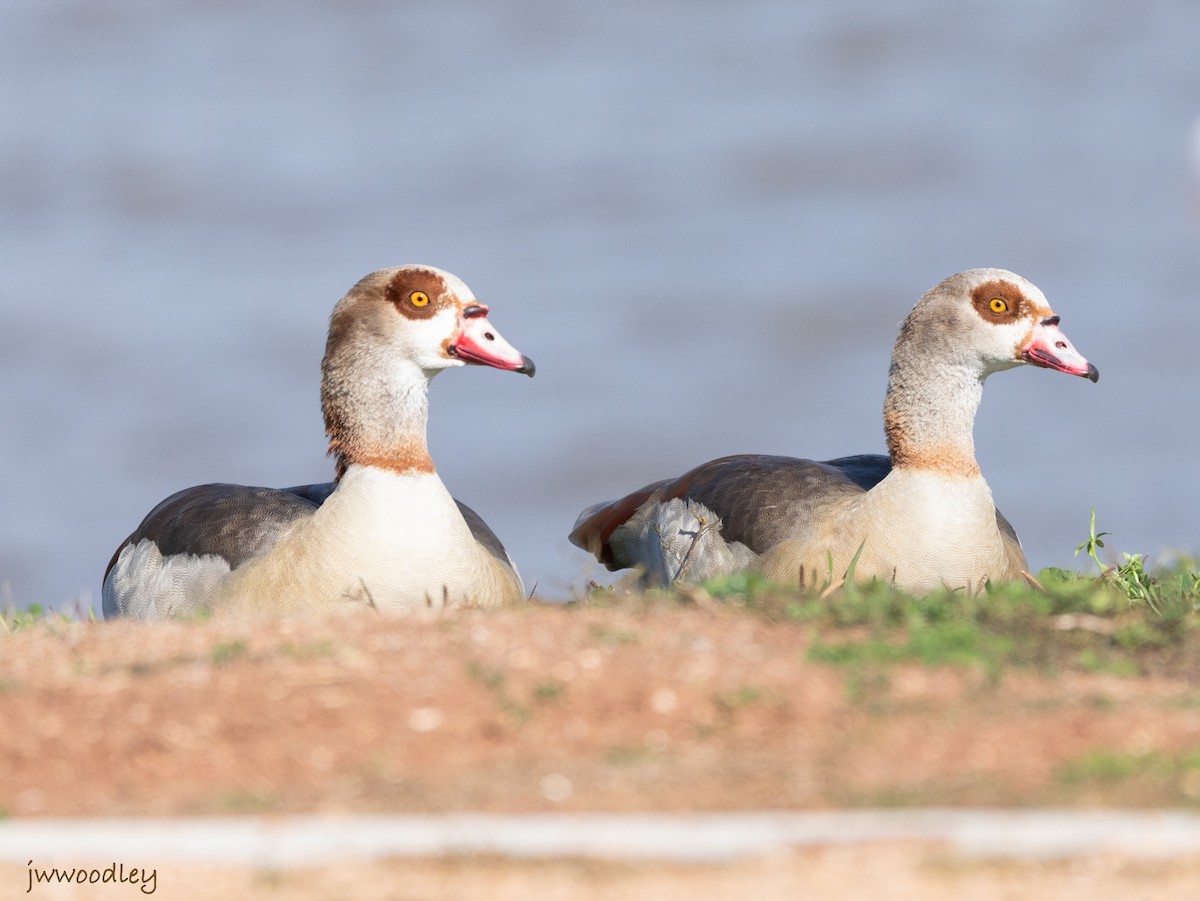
(1000,302)
(417,293)
(593,533)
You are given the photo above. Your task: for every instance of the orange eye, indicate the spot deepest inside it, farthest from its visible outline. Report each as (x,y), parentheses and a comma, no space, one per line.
(421,299)
(998,305)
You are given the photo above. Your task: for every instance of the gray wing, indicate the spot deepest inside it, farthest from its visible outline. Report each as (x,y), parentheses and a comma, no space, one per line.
(761,499)
(864,470)
(232,523)
(483,534)
(802,487)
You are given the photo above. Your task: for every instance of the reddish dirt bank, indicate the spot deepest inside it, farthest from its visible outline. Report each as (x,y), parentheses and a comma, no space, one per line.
(662,707)
(542,708)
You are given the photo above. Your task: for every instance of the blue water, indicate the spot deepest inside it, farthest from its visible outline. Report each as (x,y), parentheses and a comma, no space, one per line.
(703,221)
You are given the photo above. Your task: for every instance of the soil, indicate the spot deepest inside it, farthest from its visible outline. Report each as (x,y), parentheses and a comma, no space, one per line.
(658,707)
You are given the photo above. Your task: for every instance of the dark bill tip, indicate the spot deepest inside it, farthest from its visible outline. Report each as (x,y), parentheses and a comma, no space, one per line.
(1093,373)
(529,369)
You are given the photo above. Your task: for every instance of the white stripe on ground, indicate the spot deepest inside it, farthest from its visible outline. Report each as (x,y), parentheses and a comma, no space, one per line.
(293,841)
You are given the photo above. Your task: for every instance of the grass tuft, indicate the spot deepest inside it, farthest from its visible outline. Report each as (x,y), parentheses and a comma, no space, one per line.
(1127,619)
(13,620)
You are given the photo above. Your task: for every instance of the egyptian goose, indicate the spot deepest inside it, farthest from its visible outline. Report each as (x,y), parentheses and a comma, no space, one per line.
(387,533)
(920,517)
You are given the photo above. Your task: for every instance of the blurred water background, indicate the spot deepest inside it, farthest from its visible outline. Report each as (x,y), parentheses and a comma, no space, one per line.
(702,220)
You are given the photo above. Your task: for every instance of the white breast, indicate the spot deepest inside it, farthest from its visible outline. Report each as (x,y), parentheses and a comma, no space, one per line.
(397,542)
(926,529)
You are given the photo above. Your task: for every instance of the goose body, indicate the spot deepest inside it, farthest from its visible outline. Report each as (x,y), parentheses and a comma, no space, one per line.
(387,533)
(922,516)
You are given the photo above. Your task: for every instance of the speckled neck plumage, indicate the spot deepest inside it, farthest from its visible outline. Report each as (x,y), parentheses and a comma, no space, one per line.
(932,397)
(929,418)
(376,410)
(362,434)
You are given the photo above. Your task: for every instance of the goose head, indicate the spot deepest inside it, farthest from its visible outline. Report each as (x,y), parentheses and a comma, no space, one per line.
(393,332)
(422,316)
(989,320)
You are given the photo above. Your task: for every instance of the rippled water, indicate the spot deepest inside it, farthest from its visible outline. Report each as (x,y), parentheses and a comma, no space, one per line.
(703,221)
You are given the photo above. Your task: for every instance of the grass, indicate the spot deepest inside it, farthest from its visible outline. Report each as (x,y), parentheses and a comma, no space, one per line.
(13,619)
(608,635)
(228,651)
(1126,619)
(245,801)
(1173,775)
(728,704)
(311,650)
(1123,620)
(549,690)
(495,681)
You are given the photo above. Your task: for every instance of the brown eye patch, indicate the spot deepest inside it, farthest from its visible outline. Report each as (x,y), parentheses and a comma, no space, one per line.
(416,293)
(999,301)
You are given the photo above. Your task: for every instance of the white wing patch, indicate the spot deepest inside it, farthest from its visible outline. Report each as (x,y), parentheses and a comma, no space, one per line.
(144,584)
(678,541)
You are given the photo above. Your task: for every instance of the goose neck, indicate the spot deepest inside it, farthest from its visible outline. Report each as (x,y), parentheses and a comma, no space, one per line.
(929,416)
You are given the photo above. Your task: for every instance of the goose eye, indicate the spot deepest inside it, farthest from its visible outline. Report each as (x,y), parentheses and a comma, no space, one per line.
(998,305)
(421,299)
